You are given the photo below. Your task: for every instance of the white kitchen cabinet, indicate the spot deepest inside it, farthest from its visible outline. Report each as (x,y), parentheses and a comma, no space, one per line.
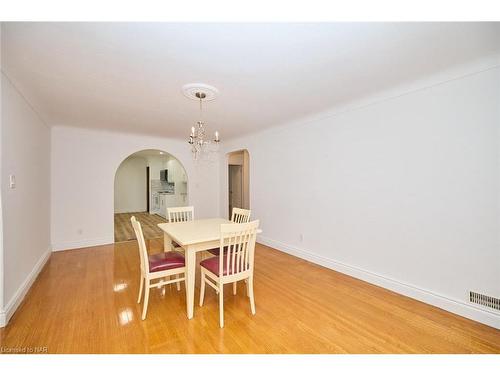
(171,201)
(167,201)
(171,173)
(163,206)
(155,202)
(170,166)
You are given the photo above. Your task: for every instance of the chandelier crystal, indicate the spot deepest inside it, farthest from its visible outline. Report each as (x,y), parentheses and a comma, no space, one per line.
(200,146)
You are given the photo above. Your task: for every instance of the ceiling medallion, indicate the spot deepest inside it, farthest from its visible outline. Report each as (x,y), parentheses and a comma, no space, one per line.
(201,147)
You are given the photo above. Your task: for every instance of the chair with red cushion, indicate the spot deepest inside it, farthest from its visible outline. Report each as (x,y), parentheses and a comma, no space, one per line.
(177,215)
(239,215)
(236,264)
(157,266)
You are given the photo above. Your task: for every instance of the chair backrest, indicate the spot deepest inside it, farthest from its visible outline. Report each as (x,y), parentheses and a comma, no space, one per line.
(143,252)
(240,215)
(178,214)
(239,240)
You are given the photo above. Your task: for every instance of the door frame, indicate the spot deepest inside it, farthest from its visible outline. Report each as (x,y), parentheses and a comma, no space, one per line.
(245,162)
(229,190)
(147,190)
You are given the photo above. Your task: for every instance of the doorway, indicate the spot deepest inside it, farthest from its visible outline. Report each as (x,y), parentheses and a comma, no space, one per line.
(235,186)
(238,180)
(147,182)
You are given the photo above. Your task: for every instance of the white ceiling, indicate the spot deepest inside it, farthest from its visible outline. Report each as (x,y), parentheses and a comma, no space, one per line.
(128,76)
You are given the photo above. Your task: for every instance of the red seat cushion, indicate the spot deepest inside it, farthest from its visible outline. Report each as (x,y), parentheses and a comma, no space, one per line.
(165,261)
(212,264)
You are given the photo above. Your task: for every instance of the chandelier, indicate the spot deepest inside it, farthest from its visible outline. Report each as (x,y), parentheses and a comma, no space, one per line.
(201,147)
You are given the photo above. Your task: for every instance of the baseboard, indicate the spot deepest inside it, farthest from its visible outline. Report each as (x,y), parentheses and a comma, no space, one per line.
(432,298)
(70,245)
(18,297)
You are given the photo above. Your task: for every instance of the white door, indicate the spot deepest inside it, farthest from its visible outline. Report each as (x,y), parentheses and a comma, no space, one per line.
(235,187)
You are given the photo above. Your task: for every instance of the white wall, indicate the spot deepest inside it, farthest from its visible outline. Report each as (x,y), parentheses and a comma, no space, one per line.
(2,310)
(403,193)
(25,147)
(130,186)
(82,213)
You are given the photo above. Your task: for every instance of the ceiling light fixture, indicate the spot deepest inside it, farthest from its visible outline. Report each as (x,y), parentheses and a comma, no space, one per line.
(199,145)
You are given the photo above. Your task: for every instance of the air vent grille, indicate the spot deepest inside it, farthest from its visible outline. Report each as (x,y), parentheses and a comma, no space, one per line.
(484,300)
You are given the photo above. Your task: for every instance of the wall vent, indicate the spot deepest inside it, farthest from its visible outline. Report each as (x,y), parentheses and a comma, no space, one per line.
(484,300)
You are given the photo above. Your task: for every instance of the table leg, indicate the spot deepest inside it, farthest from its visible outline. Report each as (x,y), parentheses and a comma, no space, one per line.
(190,280)
(167,242)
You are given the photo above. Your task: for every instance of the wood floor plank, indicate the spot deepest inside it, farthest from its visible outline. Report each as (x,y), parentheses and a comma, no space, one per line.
(84,301)
(125,232)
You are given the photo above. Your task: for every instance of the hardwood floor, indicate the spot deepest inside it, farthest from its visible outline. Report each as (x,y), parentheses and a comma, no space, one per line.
(84,301)
(124,231)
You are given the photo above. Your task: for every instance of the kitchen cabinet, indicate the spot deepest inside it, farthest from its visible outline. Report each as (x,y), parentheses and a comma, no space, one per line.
(155,202)
(171,174)
(163,206)
(170,165)
(168,200)
(171,201)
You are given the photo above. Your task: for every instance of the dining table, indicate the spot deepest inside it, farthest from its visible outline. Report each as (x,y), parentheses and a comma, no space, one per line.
(193,236)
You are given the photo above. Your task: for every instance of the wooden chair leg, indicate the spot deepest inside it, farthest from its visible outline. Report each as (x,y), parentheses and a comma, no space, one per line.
(221,305)
(202,288)
(247,287)
(178,283)
(140,289)
(234,288)
(146,300)
(250,289)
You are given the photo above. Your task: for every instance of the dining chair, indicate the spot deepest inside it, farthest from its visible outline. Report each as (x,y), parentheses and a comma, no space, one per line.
(157,266)
(239,215)
(236,264)
(177,215)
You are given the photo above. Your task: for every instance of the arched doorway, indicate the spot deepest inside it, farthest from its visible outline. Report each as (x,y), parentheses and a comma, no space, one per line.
(238,172)
(146,183)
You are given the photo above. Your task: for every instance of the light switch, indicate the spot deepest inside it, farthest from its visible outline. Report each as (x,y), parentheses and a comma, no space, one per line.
(12,181)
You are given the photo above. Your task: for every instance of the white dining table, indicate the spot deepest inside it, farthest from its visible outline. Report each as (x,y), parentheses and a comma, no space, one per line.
(193,236)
